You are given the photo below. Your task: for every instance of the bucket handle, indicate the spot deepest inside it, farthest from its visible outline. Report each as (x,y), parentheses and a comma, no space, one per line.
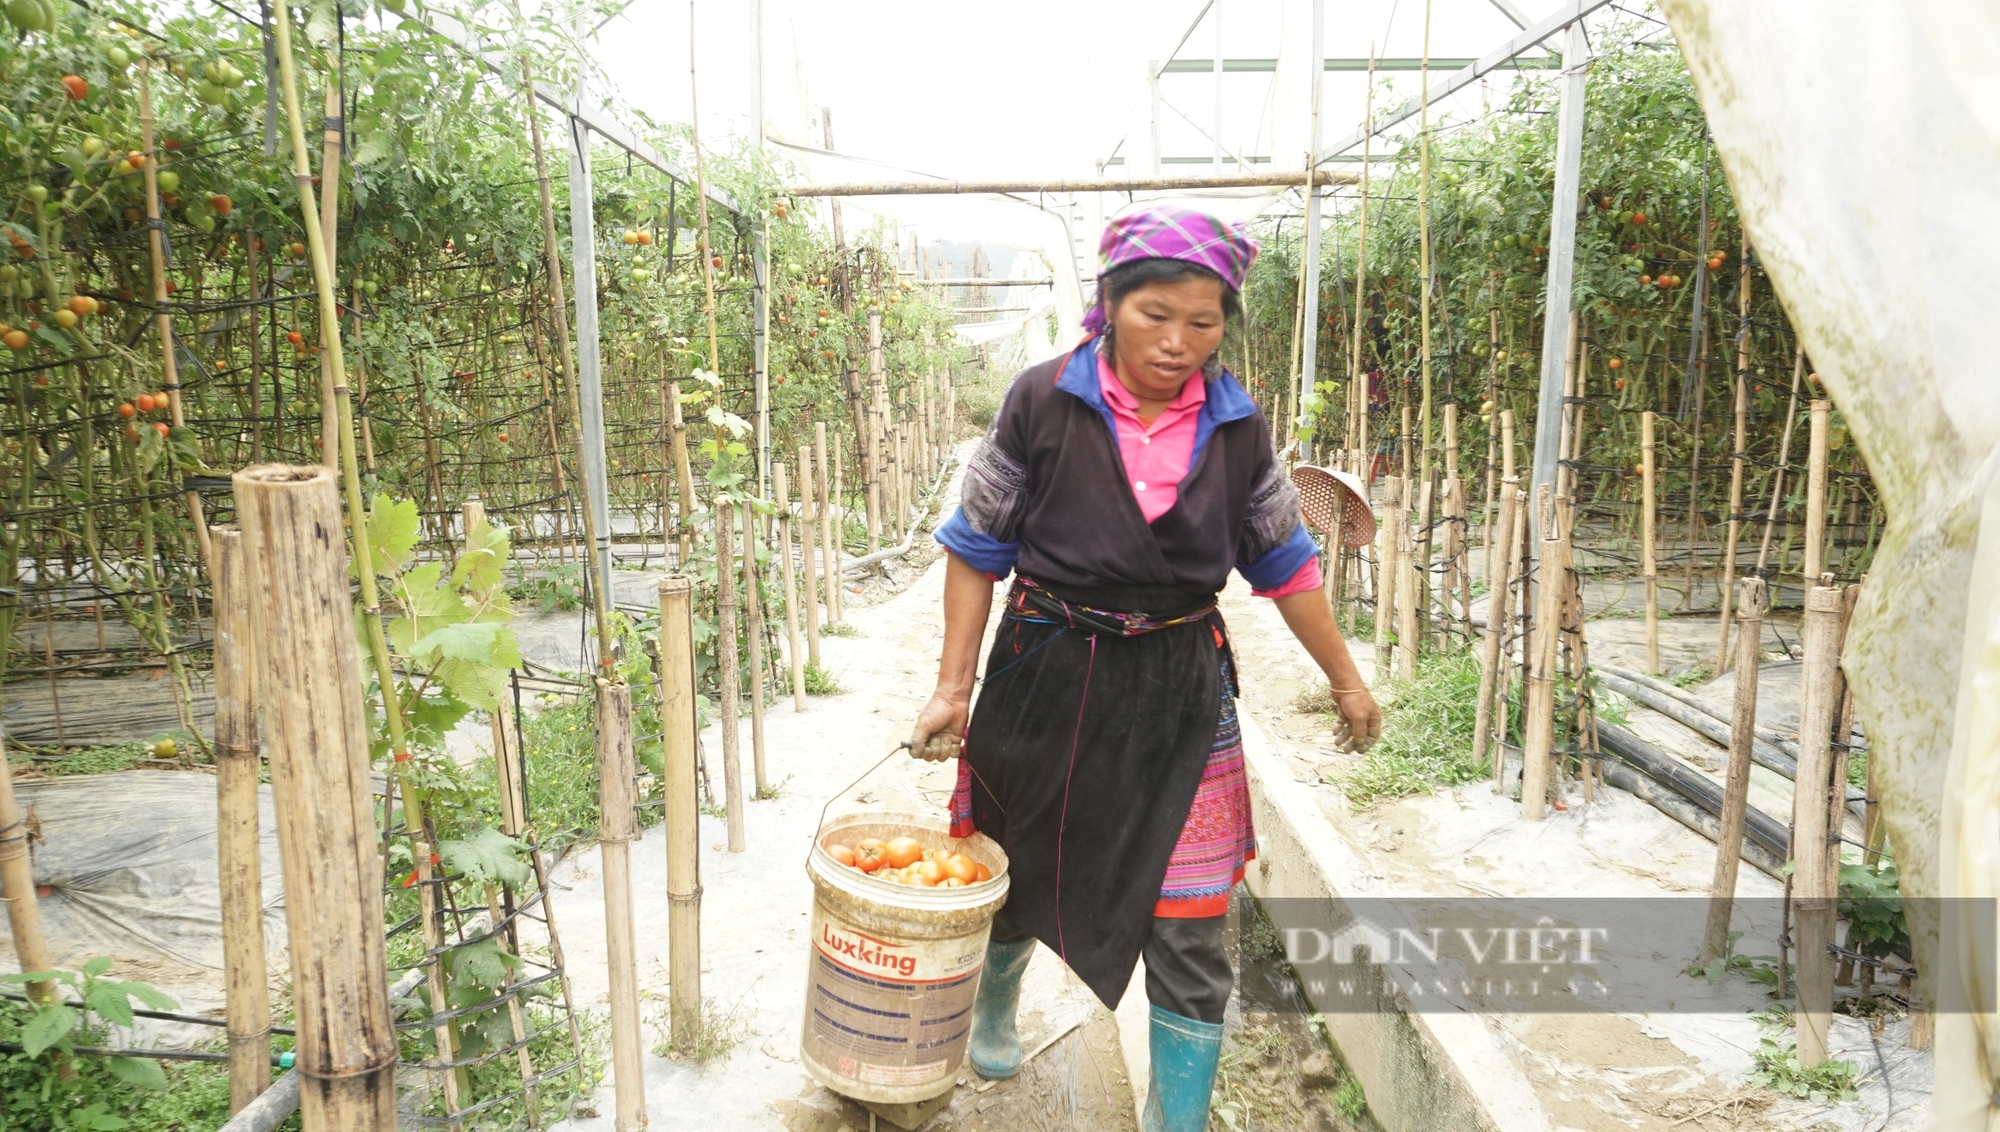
(905,745)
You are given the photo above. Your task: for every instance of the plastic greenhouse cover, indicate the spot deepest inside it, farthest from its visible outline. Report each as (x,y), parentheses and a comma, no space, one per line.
(127,867)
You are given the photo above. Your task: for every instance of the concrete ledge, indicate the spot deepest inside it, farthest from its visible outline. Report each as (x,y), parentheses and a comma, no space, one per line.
(1422,1072)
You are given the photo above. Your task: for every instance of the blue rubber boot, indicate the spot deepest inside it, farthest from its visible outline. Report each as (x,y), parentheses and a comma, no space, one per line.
(1184,1056)
(995,1048)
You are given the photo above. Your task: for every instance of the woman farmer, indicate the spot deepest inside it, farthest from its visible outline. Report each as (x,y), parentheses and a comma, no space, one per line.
(1119,485)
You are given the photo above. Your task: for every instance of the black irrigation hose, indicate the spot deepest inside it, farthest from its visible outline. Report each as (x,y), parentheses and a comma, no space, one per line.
(1759,828)
(156,1054)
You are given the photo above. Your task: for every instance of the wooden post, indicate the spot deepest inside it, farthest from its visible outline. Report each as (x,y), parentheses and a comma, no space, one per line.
(725,666)
(677,727)
(1490,682)
(830,521)
(1813,894)
(617,824)
(797,653)
(1539,736)
(311,671)
(1648,564)
(753,602)
(1736,789)
(1815,538)
(684,541)
(238,867)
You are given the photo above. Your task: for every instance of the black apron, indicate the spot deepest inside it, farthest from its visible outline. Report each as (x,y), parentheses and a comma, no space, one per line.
(1088,740)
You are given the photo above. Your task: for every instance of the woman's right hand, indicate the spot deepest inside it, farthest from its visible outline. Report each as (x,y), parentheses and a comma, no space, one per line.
(940,726)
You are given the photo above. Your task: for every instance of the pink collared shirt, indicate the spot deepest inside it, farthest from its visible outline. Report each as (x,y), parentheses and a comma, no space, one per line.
(1158,455)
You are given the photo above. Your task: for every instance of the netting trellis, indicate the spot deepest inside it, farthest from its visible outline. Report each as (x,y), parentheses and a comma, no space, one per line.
(175,225)
(1659,240)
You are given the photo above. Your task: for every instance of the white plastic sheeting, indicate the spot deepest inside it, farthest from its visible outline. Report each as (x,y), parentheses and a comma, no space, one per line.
(1862,140)
(127,867)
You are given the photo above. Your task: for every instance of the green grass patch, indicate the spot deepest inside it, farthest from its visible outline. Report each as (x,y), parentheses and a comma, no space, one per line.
(820,682)
(717,1033)
(838,629)
(1349,1099)
(1426,733)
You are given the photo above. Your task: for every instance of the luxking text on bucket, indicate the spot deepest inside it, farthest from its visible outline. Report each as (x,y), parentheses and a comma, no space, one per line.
(866,951)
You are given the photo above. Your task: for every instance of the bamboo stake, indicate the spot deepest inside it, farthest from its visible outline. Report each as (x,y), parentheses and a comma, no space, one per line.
(833,520)
(506,761)
(1410,591)
(1648,565)
(1357,380)
(350,471)
(1736,458)
(1521,565)
(447,1042)
(515,1021)
(156,242)
(753,602)
(1335,561)
(238,866)
(1539,737)
(797,652)
(1816,455)
(1784,458)
(725,663)
(310,672)
(1506,453)
(684,475)
(17,890)
(1492,435)
(1453,551)
(677,724)
(809,516)
(1570,422)
(1812,839)
(258,290)
(1496,632)
(1387,571)
(329,228)
(617,826)
(1736,789)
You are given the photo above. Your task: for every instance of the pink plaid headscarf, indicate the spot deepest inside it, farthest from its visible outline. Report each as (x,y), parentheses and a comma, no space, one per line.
(1172,233)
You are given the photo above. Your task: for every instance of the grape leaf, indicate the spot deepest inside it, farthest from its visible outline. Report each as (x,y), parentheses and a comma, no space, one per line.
(464,640)
(392,533)
(480,567)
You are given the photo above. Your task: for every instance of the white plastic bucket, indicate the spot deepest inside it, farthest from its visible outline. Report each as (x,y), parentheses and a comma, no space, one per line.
(894,968)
